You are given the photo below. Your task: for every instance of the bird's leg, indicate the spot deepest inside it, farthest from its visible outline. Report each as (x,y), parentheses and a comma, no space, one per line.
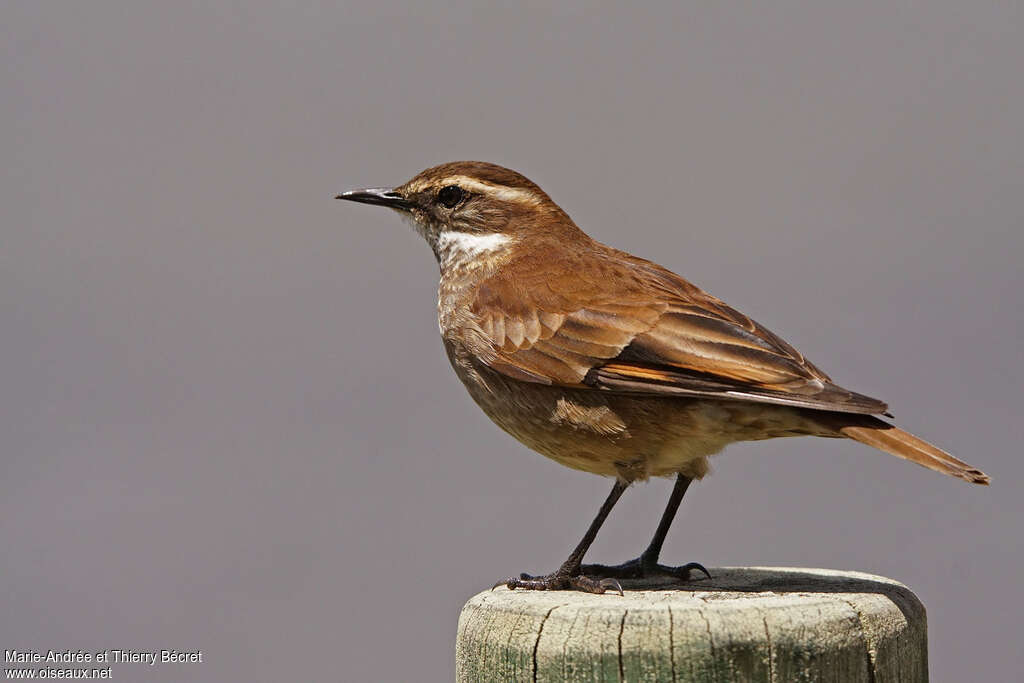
(647,565)
(569,576)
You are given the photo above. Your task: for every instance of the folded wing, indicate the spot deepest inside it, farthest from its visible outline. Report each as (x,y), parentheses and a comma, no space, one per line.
(622,324)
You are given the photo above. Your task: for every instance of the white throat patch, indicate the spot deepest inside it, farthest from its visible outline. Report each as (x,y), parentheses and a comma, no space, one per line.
(455,249)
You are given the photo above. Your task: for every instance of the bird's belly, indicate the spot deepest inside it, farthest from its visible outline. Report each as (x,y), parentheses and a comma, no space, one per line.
(627,436)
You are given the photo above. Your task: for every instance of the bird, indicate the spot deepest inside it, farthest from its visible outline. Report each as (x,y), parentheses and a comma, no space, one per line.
(609,363)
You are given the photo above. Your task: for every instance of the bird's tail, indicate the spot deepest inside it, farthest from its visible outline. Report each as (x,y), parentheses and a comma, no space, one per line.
(893,440)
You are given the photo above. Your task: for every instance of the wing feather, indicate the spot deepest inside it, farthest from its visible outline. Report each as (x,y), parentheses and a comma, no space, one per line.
(641,329)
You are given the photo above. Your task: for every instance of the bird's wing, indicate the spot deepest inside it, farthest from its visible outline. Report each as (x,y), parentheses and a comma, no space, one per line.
(626,325)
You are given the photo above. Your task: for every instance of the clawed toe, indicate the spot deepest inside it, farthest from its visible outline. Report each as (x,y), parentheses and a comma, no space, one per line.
(558,582)
(599,578)
(612,584)
(683,572)
(626,570)
(638,569)
(591,585)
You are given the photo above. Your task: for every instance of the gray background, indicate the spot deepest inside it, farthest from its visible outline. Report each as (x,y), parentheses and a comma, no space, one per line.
(227,420)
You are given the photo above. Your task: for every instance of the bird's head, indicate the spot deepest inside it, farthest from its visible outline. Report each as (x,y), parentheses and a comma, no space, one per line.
(466,209)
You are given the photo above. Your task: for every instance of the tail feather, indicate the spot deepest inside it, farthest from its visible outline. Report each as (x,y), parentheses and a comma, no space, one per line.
(893,440)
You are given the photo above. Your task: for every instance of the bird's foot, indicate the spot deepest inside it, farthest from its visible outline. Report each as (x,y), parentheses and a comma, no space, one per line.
(644,569)
(562,581)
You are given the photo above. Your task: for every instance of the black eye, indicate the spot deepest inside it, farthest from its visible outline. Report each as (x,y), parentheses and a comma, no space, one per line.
(450,195)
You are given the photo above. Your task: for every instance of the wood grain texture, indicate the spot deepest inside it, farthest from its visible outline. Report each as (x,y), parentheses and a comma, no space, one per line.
(745,624)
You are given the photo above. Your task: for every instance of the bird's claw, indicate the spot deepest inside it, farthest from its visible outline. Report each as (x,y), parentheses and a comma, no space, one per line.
(638,569)
(559,582)
(689,567)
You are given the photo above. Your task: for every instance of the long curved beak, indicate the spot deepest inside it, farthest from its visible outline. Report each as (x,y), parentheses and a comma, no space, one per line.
(380,196)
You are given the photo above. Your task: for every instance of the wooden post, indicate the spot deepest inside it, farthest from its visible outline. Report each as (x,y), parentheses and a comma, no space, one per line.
(745,624)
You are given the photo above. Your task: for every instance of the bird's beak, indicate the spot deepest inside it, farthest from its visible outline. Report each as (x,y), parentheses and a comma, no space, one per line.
(381,196)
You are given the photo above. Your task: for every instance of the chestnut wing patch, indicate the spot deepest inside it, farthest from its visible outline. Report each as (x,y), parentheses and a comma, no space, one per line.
(634,379)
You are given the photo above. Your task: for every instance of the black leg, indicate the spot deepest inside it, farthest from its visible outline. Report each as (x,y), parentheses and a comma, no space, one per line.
(569,576)
(647,564)
(653,551)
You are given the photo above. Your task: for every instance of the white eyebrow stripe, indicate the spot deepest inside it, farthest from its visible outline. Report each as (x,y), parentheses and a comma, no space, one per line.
(509,194)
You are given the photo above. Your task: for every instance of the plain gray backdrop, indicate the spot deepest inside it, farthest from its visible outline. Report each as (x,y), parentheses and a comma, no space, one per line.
(227,420)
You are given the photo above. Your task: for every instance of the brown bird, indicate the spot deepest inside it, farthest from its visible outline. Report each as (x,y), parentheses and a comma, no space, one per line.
(609,363)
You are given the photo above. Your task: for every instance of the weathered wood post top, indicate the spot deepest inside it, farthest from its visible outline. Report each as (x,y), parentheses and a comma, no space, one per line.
(745,624)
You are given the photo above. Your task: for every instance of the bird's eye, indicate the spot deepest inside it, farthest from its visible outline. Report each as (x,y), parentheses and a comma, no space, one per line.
(450,195)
